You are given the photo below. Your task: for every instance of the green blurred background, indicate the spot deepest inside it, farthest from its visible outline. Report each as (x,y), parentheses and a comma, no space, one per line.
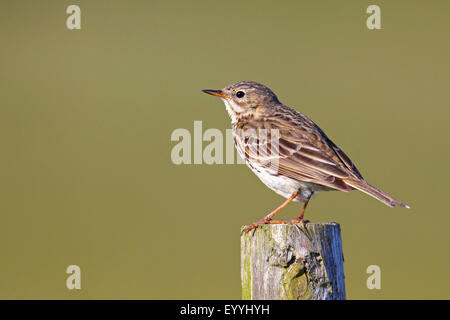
(86,118)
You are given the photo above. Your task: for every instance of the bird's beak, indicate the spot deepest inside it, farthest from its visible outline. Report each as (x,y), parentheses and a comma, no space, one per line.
(217,93)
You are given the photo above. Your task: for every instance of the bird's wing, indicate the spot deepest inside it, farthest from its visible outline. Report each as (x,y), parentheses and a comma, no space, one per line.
(304,152)
(342,156)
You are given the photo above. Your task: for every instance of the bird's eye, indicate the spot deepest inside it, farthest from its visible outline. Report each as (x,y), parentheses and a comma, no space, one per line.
(240,94)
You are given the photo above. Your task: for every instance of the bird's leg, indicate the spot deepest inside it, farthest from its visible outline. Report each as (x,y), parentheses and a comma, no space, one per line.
(268,218)
(300,217)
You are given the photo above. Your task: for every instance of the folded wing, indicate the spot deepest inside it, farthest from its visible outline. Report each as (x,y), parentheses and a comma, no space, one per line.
(300,151)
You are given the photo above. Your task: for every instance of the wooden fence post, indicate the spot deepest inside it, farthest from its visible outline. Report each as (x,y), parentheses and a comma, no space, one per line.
(282,261)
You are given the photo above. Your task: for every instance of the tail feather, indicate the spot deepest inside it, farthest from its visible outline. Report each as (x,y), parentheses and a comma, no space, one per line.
(363,186)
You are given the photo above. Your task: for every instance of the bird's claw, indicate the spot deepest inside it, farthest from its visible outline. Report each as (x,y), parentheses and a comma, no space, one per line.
(295,222)
(255,225)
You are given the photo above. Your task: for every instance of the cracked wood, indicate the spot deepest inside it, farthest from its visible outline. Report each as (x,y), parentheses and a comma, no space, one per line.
(282,261)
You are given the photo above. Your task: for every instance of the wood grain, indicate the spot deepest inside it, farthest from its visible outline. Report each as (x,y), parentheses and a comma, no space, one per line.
(289,262)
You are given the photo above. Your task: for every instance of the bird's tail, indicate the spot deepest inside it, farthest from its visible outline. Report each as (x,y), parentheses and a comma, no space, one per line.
(363,186)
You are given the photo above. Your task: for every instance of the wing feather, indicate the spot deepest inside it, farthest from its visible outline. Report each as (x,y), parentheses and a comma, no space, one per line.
(302,151)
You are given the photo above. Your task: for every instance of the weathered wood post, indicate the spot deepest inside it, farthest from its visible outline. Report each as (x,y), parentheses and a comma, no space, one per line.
(287,262)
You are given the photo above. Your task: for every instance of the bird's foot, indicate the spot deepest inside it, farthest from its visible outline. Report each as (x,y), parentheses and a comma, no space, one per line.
(256,224)
(292,221)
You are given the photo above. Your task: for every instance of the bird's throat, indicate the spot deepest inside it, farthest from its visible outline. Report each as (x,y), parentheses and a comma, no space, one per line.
(234,110)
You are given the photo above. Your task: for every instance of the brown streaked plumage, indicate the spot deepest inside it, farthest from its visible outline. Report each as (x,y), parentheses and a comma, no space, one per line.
(301,161)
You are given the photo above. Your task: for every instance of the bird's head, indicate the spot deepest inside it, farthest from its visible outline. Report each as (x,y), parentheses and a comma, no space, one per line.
(245,97)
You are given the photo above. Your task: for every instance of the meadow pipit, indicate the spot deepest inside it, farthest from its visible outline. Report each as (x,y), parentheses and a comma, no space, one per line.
(306,160)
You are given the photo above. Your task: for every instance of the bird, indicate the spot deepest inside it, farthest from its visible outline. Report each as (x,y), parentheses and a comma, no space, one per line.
(287,151)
